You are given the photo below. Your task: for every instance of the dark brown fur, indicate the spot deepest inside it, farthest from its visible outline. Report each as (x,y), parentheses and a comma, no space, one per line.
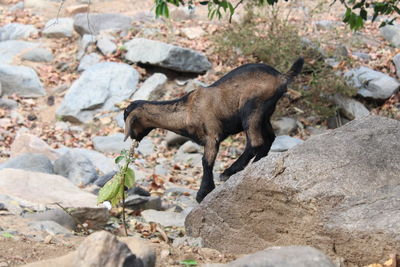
(242,100)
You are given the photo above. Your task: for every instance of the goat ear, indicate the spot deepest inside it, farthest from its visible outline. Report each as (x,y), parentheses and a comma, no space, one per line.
(128,125)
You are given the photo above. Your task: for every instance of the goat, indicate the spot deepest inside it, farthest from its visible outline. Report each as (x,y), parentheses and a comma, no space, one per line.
(242,100)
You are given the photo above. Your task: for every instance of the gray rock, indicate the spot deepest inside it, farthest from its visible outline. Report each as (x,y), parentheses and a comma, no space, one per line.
(336,121)
(173,139)
(143,249)
(396,61)
(38,54)
(372,83)
(164,218)
(101,181)
(56,215)
(193,159)
(101,162)
(30,162)
(20,80)
(152,88)
(326,24)
(392,34)
(284,126)
(12,48)
(350,108)
(190,147)
(110,144)
(15,31)
(363,56)
(188,241)
(161,170)
(146,147)
(138,191)
(167,56)
(76,167)
(84,43)
(179,191)
(17,6)
(106,45)
(136,202)
(8,103)
(59,28)
(88,60)
(50,227)
(95,23)
(338,189)
(99,88)
(292,256)
(285,142)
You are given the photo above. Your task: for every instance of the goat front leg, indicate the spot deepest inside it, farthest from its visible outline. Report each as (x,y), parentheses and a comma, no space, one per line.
(207,182)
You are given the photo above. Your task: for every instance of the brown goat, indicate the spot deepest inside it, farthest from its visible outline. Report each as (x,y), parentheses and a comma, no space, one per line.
(242,100)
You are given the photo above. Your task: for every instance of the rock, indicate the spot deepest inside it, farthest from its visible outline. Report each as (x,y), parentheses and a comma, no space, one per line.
(362,56)
(146,147)
(28,143)
(38,54)
(76,9)
(20,80)
(152,88)
(138,191)
(101,162)
(17,6)
(120,119)
(7,103)
(291,256)
(76,167)
(161,170)
(284,126)
(190,147)
(88,61)
(392,34)
(50,227)
(396,61)
(167,56)
(173,139)
(179,191)
(164,218)
(332,191)
(136,202)
(84,43)
(59,28)
(99,88)
(326,24)
(193,32)
(350,108)
(30,162)
(193,159)
(188,241)
(94,23)
(106,45)
(142,249)
(101,181)
(110,144)
(372,83)
(56,215)
(336,121)
(15,31)
(10,49)
(284,142)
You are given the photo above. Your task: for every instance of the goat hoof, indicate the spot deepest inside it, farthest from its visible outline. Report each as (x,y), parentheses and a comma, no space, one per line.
(223,177)
(201,195)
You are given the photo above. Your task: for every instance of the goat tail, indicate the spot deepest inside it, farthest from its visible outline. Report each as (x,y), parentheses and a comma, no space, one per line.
(294,70)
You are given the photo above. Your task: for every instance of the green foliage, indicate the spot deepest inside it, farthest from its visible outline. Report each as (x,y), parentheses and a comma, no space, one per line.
(189,263)
(7,235)
(356,11)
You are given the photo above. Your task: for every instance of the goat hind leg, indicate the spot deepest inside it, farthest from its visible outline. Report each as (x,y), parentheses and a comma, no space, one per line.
(207,182)
(239,164)
(268,137)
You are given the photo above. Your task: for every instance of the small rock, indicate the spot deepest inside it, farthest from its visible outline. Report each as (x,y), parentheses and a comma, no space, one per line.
(15,31)
(110,144)
(326,24)
(193,32)
(30,162)
(188,241)
(284,126)
(138,191)
(57,215)
(106,45)
(59,28)
(350,108)
(17,6)
(179,191)
(392,34)
(50,227)
(76,9)
(190,147)
(101,162)
(84,43)
(285,142)
(20,80)
(94,23)
(152,88)
(7,103)
(396,61)
(161,170)
(336,122)
(28,143)
(88,60)
(193,159)
(362,56)
(164,218)
(136,202)
(173,139)
(10,49)
(38,55)
(101,181)
(142,249)
(76,167)
(146,147)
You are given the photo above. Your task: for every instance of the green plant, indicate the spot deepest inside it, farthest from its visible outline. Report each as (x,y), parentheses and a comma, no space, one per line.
(114,190)
(188,263)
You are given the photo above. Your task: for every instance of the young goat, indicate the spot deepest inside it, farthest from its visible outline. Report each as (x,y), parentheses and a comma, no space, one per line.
(242,100)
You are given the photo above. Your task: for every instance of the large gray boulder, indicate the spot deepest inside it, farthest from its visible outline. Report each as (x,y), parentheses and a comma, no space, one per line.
(372,84)
(10,49)
(392,34)
(30,162)
(337,192)
(95,23)
(15,31)
(99,88)
(20,80)
(167,56)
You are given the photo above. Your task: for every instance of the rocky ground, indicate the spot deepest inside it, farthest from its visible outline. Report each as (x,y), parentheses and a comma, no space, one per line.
(66,73)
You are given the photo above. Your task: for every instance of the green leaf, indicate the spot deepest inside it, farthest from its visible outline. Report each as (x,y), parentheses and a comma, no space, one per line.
(189,262)
(7,235)
(110,190)
(129,178)
(118,159)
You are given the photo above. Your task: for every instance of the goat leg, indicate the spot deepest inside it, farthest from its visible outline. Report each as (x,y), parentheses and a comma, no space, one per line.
(239,164)
(207,182)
